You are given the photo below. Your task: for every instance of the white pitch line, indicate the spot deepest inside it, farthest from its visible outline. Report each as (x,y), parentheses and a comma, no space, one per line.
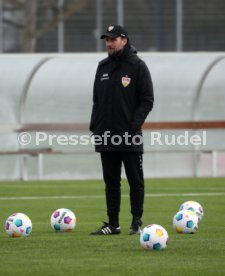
(185,194)
(51,197)
(102,196)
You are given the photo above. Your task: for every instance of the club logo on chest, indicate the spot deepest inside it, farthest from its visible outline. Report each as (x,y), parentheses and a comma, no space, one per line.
(125,81)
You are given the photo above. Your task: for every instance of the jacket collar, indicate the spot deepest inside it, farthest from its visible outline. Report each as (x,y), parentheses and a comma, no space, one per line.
(125,53)
(129,53)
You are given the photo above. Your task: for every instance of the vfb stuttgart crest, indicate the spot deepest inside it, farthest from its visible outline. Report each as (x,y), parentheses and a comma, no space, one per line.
(125,81)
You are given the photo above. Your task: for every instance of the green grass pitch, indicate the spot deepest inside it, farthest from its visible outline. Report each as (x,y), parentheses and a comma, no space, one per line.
(45,252)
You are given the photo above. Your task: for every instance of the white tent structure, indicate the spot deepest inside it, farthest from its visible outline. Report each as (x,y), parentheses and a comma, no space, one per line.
(52,95)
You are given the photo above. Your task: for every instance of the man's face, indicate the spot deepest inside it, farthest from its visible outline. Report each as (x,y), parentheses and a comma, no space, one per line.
(114,45)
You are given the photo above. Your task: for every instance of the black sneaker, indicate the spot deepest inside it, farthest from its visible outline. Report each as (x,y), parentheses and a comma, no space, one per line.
(107,229)
(135,227)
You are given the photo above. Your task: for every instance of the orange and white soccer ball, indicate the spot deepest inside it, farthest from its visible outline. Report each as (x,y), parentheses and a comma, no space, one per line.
(154,237)
(63,220)
(185,221)
(18,225)
(193,206)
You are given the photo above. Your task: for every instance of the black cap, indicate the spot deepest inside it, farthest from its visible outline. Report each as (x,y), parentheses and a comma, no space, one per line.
(114,32)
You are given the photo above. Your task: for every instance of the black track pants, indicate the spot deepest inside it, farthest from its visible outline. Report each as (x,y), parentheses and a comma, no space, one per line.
(111,164)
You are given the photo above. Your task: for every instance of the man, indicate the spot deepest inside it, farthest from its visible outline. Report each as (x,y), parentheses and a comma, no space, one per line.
(122,99)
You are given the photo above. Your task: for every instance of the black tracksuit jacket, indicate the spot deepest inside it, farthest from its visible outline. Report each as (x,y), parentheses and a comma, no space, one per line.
(122,98)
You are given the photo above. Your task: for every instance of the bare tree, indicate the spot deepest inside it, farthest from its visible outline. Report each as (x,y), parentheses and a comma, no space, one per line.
(29,37)
(67,12)
(27,22)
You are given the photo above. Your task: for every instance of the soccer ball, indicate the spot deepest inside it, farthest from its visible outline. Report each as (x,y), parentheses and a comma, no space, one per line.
(154,237)
(63,220)
(185,221)
(17,225)
(193,206)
